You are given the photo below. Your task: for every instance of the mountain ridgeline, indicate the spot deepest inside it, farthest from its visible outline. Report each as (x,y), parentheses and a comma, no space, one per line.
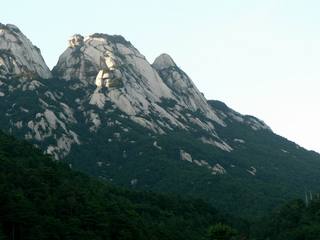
(105,110)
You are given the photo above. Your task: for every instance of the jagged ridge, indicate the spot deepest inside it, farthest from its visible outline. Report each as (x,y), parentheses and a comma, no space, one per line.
(133,85)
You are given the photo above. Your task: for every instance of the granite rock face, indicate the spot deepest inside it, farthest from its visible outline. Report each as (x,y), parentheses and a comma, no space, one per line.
(96,76)
(157,96)
(18,56)
(108,71)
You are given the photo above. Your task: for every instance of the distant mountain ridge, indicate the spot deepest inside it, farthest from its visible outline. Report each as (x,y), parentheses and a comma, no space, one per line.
(106,110)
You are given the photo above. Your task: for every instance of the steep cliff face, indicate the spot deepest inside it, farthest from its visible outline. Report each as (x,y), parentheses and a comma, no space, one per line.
(30,106)
(183,88)
(96,75)
(160,97)
(18,57)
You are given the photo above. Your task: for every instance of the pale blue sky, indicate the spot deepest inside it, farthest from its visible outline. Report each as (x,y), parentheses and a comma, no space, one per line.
(260,57)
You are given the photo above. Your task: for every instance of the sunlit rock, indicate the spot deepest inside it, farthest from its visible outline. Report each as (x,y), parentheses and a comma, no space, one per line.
(18,56)
(76,40)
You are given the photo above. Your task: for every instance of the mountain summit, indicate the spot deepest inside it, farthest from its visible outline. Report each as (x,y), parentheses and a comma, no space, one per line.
(107,111)
(18,57)
(163,61)
(128,81)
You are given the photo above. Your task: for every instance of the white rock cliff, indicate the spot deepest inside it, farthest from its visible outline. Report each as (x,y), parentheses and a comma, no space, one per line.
(18,57)
(160,97)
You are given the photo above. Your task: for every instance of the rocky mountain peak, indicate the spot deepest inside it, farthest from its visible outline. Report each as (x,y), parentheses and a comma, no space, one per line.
(85,57)
(163,61)
(18,56)
(76,41)
(10,27)
(111,39)
(132,84)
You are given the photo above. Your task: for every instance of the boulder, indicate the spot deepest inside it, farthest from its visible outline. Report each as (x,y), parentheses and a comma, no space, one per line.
(76,41)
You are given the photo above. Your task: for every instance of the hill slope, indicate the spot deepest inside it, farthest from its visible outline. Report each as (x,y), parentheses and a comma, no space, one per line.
(42,199)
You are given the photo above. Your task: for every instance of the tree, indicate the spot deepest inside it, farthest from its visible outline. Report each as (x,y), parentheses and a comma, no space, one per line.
(221,232)
(2,236)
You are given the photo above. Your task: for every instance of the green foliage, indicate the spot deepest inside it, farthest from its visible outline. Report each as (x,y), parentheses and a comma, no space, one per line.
(42,199)
(221,232)
(164,171)
(294,221)
(2,236)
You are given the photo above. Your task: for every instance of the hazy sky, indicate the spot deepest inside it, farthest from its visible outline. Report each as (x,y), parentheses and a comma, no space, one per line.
(260,57)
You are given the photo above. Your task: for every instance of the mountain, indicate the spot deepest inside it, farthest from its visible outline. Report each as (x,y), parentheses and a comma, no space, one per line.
(108,112)
(42,199)
(18,57)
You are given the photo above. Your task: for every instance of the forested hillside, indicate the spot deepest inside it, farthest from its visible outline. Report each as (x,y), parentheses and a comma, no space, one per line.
(44,199)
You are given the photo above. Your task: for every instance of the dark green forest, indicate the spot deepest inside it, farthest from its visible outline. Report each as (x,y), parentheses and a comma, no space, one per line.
(293,221)
(45,199)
